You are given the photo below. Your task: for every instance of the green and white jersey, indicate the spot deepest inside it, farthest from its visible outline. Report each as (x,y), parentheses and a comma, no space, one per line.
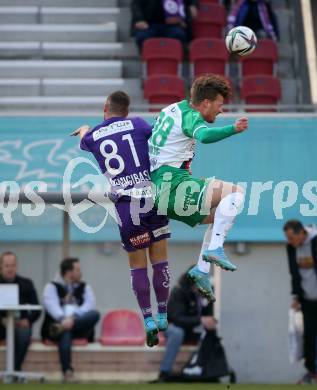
(175,132)
(172,140)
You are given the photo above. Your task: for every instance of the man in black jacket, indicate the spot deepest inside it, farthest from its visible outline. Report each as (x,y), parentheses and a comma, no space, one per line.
(70,312)
(188,315)
(24,319)
(302,257)
(162,18)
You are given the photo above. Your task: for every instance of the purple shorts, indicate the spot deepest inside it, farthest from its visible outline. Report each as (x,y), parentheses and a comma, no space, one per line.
(138,232)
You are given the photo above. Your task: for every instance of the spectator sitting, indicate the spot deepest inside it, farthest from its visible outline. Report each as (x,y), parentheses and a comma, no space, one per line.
(24,319)
(256,14)
(69,312)
(188,315)
(162,18)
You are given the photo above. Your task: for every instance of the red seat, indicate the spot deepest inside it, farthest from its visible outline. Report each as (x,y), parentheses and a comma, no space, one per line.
(75,342)
(261,61)
(261,89)
(164,89)
(208,55)
(122,327)
(162,56)
(210,21)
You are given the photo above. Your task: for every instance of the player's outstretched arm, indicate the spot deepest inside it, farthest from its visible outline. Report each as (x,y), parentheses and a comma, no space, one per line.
(81,131)
(241,124)
(207,135)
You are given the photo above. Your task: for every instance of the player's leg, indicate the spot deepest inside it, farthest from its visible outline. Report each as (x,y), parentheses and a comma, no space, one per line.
(161,280)
(177,191)
(199,274)
(224,200)
(141,288)
(135,239)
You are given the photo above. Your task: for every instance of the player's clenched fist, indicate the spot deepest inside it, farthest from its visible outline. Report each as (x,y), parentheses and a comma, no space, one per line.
(241,124)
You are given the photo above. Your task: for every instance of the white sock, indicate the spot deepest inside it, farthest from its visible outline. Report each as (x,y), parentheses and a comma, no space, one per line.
(203,265)
(225,214)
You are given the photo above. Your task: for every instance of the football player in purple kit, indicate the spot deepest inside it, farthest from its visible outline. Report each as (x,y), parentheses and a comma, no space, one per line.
(120,146)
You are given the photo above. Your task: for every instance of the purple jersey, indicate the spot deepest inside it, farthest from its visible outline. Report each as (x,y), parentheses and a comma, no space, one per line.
(121,149)
(120,146)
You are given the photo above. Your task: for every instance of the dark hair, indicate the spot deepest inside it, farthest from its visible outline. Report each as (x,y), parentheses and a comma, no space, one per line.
(67,264)
(208,87)
(119,103)
(294,225)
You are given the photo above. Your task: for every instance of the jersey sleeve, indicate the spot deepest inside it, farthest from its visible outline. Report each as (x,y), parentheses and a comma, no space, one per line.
(207,135)
(195,127)
(83,144)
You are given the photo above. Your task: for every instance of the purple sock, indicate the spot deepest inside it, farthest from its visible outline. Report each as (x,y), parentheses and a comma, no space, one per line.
(161,284)
(141,287)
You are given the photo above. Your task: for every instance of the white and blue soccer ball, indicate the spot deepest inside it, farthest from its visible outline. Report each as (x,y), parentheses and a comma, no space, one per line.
(241,40)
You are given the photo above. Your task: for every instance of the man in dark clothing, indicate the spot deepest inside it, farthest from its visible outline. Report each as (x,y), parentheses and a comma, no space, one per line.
(24,319)
(70,312)
(302,257)
(162,18)
(188,315)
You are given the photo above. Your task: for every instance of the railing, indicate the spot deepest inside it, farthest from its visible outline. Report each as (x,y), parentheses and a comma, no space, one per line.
(66,199)
(87,107)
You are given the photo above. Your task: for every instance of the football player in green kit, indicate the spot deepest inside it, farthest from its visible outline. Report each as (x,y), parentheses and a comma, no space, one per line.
(211,201)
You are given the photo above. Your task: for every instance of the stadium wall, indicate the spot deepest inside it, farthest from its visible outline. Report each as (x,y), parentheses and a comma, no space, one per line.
(275,156)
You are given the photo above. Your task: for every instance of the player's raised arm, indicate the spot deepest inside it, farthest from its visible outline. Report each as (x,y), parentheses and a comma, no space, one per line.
(81,131)
(208,135)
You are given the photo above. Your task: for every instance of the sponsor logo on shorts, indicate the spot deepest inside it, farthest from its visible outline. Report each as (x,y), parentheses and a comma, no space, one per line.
(161,231)
(140,239)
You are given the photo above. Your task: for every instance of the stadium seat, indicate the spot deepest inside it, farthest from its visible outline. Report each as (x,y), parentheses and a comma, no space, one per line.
(261,61)
(164,89)
(75,342)
(208,55)
(210,21)
(261,89)
(122,327)
(162,56)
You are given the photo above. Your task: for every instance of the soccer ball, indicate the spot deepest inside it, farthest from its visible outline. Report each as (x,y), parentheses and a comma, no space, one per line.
(241,40)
